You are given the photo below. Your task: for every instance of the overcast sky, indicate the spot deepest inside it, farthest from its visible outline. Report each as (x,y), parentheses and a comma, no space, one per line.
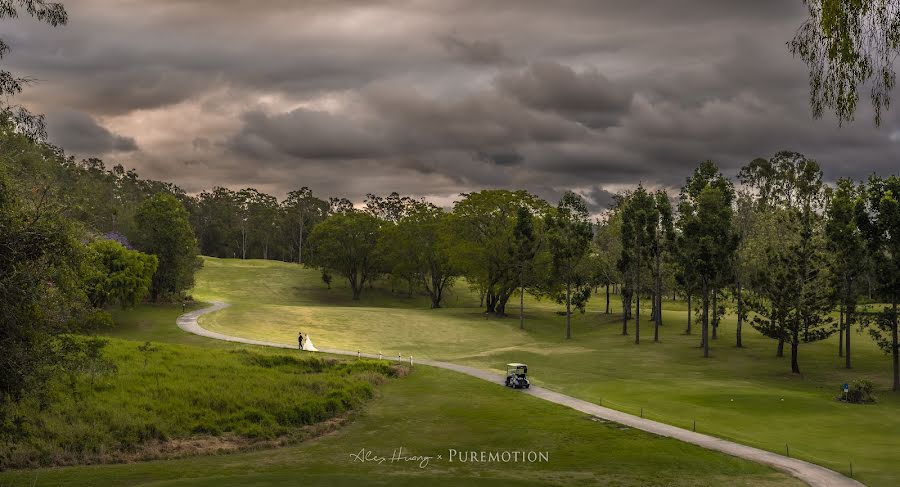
(433,98)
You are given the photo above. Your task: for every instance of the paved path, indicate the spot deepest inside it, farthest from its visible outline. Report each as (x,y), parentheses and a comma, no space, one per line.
(808,472)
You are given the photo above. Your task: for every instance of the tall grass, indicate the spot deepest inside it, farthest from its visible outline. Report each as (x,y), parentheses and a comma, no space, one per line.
(173,400)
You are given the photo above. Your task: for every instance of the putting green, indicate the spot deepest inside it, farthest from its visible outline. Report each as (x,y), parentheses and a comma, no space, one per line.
(746,395)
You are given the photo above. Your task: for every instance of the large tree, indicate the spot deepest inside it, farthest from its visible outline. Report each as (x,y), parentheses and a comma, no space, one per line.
(302,211)
(639,219)
(419,245)
(525,248)
(848,44)
(118,275)
(482,226)
(846,243)
(164,231)
(795,282)
(706,242)
(882,229)
(347,244)
(569,236)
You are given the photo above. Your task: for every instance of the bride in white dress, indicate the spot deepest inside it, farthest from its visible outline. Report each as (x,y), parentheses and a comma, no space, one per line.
(308,345)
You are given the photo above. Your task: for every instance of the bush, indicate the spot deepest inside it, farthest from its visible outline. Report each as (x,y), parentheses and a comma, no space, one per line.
(861,391)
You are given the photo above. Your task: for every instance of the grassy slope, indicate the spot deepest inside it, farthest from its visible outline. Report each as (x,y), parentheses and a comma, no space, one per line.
(223,398)
(669,380)
(427,413)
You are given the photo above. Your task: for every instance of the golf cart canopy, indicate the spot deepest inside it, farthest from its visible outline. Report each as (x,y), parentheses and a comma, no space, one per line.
(516,365)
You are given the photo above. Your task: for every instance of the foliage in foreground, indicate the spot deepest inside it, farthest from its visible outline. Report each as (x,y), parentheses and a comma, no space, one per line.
(171,400)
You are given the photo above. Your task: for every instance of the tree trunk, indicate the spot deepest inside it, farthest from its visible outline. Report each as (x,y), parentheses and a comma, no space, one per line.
(848,323)
(715,316)
(841,331)
(637,307)
(690,314)
(300,245)
(568,310)
(795,344)
(607,298)
(521,302)
(895,352)
(740,315)
(780,351)
(705,326)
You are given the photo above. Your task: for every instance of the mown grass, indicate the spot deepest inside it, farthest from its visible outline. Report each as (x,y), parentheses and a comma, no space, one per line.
(427,413)
(180,400)
(747,394)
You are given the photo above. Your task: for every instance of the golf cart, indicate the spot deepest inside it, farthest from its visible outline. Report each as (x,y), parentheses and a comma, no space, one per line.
(516,376)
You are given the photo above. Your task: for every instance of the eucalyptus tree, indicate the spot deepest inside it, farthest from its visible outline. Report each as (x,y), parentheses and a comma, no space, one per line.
(608,247)
(881,226)
(796,279)
(706,241)
(302,210)
(780,188)
(525,248)
(163,229)
(639,217)
(419,244)
(569,235)
(847,45)
(347,244)
(847,244)
(23,121)
(743,225)
(663,236)
(483,225)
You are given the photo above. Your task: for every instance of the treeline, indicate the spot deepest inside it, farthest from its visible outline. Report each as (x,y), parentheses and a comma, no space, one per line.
(783,251)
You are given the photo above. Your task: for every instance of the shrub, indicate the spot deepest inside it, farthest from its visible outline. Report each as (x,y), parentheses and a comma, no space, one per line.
(861,391)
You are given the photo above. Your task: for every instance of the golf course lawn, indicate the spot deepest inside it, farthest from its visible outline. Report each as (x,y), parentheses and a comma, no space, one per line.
(747,395)
(428,413)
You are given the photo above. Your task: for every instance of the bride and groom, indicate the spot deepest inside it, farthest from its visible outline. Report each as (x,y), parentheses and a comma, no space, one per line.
(305,343)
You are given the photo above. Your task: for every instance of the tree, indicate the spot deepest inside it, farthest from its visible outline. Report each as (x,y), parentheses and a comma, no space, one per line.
(119,274)
(41,287)
(20,118)
(780,189)
(796,281)
(303,210)
(482,226)
(706,242)
(608,247)
(525,247)
(639,217)
(881,226)
(347,244)
(662,237)
(847,246)
(418,244)
(164,231)
(845,44)
(569,236)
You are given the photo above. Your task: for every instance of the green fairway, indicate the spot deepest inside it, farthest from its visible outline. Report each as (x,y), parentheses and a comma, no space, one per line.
(747,395)
(428,413)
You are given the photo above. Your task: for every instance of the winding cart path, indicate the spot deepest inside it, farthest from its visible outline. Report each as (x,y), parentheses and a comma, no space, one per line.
(810,473)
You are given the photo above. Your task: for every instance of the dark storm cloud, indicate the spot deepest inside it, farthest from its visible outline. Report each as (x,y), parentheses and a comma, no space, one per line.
(435,98)
(78,132)
(588,97)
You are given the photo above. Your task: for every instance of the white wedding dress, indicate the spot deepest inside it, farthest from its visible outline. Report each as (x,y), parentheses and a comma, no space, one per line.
(308,345)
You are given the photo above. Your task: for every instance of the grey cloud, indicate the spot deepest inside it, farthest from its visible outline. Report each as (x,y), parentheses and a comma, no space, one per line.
(587,96)
(78,132)
(543,96)
(476,51)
